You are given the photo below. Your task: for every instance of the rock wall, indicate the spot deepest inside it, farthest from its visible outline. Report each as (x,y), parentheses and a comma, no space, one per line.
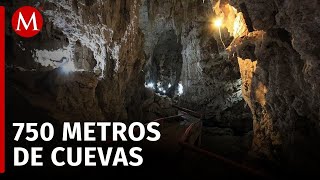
(86,63)
(210,82)
(279,65)
(93,58)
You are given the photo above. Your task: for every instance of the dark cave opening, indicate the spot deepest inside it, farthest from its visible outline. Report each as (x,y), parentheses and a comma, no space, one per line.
(166,65)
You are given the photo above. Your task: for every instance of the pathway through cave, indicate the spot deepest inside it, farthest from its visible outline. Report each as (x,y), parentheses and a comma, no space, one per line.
(229,135)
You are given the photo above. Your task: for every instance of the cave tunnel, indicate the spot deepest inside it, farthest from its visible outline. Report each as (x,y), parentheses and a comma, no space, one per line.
(164,71)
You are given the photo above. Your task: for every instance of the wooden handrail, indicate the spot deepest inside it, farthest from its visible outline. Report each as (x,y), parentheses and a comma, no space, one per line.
(183,142)
(188,130)
(190,112)
(165,118)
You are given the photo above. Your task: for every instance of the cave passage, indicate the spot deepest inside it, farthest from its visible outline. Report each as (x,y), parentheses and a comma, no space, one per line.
(166,64)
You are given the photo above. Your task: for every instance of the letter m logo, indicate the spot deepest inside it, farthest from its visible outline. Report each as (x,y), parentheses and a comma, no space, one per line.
(26,26)
(27,21)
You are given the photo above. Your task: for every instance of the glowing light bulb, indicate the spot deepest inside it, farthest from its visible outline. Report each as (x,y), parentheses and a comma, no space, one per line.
(218,23)
(150,85)
(180,89)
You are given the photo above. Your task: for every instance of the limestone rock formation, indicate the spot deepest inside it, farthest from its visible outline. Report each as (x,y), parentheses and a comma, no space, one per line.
(122,45)
(183,30)
(89,55)
(279,69)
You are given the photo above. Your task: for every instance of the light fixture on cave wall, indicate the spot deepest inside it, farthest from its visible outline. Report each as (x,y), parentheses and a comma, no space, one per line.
(150,85)
(218,23)
(180,89)
(158,88)
(229,18)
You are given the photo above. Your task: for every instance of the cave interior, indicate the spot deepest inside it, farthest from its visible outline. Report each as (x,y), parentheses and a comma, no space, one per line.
(257,98)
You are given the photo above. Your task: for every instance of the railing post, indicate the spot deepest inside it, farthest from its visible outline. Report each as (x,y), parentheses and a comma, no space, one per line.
(199,139)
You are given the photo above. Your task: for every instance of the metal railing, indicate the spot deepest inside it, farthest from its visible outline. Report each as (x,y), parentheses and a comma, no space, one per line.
(188,111)
(189,144)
